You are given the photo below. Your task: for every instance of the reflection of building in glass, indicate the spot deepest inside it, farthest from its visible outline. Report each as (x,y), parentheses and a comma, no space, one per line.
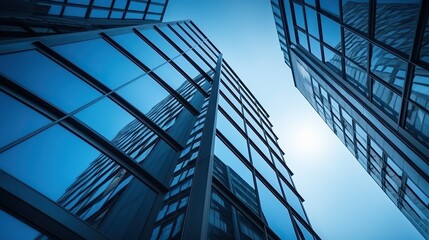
(363,67)
(137,132)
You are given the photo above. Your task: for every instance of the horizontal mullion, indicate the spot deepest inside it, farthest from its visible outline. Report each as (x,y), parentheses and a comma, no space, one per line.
(41,212)
(108,92)
(158,79)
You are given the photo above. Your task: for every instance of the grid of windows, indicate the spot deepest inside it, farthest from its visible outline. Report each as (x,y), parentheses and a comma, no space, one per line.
(363,65)
(115,133)
(22,18)
(118,122)
(389,49)
(384,165)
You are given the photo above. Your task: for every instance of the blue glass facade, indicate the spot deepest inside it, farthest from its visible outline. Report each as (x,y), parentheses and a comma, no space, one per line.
(361,66)
(137,132)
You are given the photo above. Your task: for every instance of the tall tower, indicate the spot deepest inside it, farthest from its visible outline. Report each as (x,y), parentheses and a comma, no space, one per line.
(137,132)
(363,66)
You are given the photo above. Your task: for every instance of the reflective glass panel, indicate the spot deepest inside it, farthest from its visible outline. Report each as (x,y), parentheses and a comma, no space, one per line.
(333,60)
(231,160)
(356,13)
(302,37)
(386,100)
(331,6)
(160,42)
(13,228)
(144,93)
(395,23)
(140,49)
(418,122)
(105,117)
(232,134)
(17,119)
(275,213)
(231,112)
(299,15)
(356,48)
(420,87)
(171,76)
(47,79)
(265,169)
(56,154)
(357,77)
(424,51)
(388,67)
(315,48)
(111,68)
(312,22)
(331,32)
(293,200)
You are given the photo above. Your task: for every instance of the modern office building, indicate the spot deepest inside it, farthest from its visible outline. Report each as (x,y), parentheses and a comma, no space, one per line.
(31,18)
(363,66)
(137,132)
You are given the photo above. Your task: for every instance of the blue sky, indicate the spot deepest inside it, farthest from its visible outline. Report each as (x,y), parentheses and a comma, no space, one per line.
(342,200)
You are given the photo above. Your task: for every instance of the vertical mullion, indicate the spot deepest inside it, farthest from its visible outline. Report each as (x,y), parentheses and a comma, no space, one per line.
(196,223)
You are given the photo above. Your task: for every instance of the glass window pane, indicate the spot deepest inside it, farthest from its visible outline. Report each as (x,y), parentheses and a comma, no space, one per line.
(302,37)
(173,36)
(356,48)
(388,67)
(304,230)
(105,117)
(112,68)
(231,112)
(355,14)
(418,123)
(232,134)
(293,200)
(140,49)
(424,51)
(331,6)
(56,154)
(275,213)
(144,93)
(388,101)
(312,22)
(160,42)
(74,11)
(137,6)
(231,160)
(299,15)
(265,169)
(331,32)
(70,168)
(221,225)
(120,4)
(187,67)
(132,15)
(102,3)
(13,228)
(97,13)
(395,23)
(290,22)
(357,77)
(315,48)
(420,87)
(171,76)
(17,119)
(333,60)
(47,79)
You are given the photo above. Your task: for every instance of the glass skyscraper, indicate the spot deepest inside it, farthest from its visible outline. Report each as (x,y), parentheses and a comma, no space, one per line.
(363,66)
(137,132)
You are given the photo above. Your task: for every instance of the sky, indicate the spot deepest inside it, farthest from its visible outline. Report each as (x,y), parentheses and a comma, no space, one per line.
(341,199)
